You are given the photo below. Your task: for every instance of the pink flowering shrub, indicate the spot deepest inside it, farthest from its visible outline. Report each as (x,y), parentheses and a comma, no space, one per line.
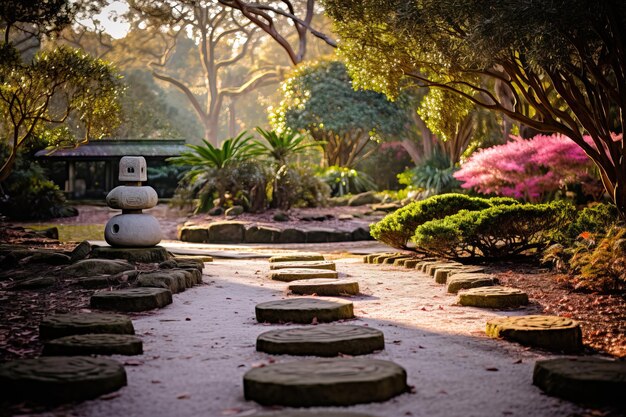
(529,169)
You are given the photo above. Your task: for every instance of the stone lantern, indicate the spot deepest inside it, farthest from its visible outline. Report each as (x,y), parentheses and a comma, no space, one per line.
(132,228)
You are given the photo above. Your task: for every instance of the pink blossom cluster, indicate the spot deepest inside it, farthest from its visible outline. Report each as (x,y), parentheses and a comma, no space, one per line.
(527,169)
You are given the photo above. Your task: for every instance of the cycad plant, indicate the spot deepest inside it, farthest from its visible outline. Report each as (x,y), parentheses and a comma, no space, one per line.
(225,172)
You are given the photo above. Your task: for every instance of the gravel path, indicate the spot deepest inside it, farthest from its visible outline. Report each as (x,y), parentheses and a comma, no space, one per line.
(197,350)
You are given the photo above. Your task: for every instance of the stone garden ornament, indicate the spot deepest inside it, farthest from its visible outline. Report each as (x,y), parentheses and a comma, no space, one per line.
(132,228)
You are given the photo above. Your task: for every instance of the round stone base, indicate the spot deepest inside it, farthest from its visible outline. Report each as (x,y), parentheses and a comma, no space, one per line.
(303,310)
(323,340)
(94,344)
(60,379)
(325,382)
(132,230)
(324,287)
(493,297)
(132,299)
(294,274)
(546,332)
(297,257)
(61,325)
(146,255)
(583,380)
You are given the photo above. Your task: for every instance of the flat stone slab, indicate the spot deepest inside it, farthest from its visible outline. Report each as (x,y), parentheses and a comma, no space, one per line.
(303,310)
(294,274)
(324,286)
(93,267)
(431,268)
(132,299)
(323,340)
(329,265)
(297,257)
(582,380)
(493,297)
(59,379)
(325,382)
(465,281)
(547,332)
(94,344)
(61,325)
(34,283)
(196,258)
(291,413)
(171,279)
(146,255)
(442,274)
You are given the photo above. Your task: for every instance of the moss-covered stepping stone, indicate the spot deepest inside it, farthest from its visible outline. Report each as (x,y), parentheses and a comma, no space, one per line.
(411,263)
(60,325)
(547,332)
(585,380)
(382,256)
(59,379)
(303,310)
(294,274)
(297,257)
(193,258)
(431,268)
(324,286)
(442,274)
(329,265)
(132,299)
(94,344)
(325,382)
(292,413)
(323,340)
(171,279)
(493,297)
(465,281)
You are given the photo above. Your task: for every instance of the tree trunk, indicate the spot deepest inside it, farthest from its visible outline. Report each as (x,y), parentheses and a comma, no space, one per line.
(7,167)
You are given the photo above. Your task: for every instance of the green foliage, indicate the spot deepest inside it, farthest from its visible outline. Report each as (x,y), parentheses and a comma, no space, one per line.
(342,181)
(281,146)
(227,173)
(397,228)
(164,179)
(298,186)
(29,195)
(384,165)
(595,220)
(321,99)
(494,232)
(433,176)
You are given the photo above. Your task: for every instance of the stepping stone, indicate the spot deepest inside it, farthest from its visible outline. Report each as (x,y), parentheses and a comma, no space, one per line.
(34,283)
(392,260)
(193,258)
(382,258)
(303,310)
(297,257)
(323,340)
(402,261)
(493,297)
(421,266)
(132,299)
(583,380)
(546,332)
(292,413)
(146,255)
(294,274)
(94,344)
(411,263)
(325,382)
(59,379)
(324,286)
(430,269)
(329,265)
(61,325)
(465,281)
(442,274)
(102,281)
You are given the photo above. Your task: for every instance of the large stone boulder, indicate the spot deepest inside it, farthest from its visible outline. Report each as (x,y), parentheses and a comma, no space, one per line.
(292,236)
(59,379)
(194,234)
(325,382)
(226,232)
(34,283)
(262,234)
(170,279)
(361,233)
(93,267)
(362,199)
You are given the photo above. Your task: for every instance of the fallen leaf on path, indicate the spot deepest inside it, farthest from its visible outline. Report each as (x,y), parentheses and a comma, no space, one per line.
(492,369)
(183,396)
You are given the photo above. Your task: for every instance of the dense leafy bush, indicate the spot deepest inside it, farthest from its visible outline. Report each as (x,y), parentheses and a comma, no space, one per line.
(397,228)
(532,169)
(434,176)
(497,231)
(596,220)
(342,181)
(298,187)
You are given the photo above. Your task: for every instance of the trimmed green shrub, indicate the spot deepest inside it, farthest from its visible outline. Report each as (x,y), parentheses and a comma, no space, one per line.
(597,219)
(397,228)
(494,232)
(344,180)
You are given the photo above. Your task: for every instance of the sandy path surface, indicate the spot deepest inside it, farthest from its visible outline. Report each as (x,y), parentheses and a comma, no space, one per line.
(198,349)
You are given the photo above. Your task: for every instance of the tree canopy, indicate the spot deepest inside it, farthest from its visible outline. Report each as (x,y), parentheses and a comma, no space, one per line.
(319,98)
(555,66)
